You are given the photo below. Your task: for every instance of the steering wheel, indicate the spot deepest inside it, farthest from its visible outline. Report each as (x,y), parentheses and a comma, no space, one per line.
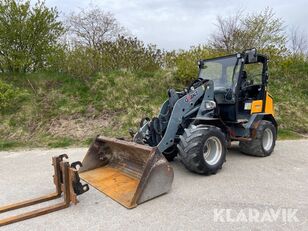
(250,87)
(196,83)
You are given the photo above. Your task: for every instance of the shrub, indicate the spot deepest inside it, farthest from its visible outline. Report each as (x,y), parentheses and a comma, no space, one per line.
(28,35)
(10,97)
(124,53)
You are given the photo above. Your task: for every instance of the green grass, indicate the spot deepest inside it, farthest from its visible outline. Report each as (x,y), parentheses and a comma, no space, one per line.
(289,87)
(87,141)
(284,134)
(61,143)
(53,100)
(8,144)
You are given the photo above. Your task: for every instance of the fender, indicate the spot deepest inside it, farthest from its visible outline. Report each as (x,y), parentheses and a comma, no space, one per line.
(255,118)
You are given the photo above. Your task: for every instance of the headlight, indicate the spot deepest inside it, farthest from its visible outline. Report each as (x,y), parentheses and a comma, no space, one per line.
(209,105)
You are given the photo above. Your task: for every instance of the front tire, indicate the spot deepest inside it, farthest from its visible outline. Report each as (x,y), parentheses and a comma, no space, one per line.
(171,153)
(202,149)
(264,142)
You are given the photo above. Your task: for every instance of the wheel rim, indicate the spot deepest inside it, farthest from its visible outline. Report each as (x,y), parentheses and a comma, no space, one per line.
(267,140)
(212,150)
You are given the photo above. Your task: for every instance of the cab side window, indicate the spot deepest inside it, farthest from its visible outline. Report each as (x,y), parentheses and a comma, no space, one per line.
(254,73)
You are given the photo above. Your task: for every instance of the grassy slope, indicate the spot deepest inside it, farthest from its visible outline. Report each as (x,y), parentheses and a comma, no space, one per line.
(289,87)
(59,110)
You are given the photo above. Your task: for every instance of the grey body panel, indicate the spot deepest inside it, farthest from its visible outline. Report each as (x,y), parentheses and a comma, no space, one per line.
(181,107)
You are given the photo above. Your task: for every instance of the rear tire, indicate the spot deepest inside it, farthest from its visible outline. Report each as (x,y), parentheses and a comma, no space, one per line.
(264,142)
(202,149)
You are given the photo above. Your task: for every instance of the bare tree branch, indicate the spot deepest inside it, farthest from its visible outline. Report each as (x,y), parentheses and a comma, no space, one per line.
(93,27)
(298,41)
(239,32)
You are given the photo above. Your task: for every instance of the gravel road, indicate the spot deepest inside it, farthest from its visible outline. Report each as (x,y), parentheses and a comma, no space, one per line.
(245,195)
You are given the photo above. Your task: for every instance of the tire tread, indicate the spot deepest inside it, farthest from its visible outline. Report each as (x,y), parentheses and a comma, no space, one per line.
(254,147)
(189,149)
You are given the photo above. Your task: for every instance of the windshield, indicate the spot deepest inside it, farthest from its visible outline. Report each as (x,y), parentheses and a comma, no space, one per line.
(223,71)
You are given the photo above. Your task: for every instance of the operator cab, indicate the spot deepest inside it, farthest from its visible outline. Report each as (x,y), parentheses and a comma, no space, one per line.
(224,72)
(239,84)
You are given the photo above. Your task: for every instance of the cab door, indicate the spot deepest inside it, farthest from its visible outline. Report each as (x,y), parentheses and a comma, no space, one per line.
(252,89)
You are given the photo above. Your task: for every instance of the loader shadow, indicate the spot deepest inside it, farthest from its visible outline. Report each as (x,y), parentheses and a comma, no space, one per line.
(234,150)
(180,171)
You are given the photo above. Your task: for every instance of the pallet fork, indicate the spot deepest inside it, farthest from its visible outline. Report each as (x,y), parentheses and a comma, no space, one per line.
(66,180)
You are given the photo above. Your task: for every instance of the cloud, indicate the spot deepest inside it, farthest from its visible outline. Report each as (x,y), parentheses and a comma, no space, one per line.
(179,24)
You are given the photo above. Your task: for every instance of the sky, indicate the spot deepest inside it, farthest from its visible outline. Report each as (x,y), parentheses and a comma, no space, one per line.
(180,24)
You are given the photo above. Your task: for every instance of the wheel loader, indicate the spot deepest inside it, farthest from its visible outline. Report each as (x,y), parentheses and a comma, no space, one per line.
(228,101)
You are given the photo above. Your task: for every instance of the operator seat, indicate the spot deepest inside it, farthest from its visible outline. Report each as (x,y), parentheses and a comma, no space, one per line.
(244,82)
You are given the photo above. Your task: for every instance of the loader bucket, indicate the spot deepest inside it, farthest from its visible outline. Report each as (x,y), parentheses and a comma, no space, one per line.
(127,172)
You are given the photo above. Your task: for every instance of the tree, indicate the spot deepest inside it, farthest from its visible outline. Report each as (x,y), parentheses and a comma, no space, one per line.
(263,31)
(28,35)
(124,53)
(131,54)
(93,27)
(228,33)
(99,43)
(298,42)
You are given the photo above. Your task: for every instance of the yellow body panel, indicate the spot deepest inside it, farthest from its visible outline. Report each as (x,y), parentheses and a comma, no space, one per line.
(269,104)
(256,106)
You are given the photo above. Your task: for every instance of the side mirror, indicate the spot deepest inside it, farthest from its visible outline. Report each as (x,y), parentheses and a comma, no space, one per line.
(252,55)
